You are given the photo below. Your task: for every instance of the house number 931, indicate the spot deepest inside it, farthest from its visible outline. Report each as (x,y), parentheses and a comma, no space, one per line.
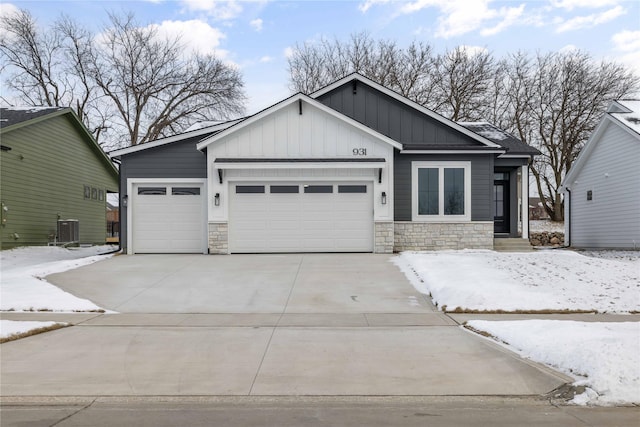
(359,151)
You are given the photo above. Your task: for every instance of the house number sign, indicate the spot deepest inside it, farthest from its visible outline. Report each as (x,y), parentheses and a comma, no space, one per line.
(359,151)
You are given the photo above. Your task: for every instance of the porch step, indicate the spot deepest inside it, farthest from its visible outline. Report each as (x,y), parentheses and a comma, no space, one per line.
(512,245)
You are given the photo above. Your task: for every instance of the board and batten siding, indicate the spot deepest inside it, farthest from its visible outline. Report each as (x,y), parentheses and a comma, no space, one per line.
(43,179)
(391,117)
(612,218)
(175,160)
(481,183)
(287,134)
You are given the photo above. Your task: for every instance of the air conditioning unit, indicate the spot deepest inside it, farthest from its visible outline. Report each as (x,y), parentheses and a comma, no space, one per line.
(68,230)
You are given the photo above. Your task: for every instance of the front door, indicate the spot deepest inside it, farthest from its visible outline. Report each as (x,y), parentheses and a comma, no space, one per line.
(501,202)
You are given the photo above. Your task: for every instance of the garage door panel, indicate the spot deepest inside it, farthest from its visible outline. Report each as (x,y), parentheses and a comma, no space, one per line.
(168,223)
(301,222)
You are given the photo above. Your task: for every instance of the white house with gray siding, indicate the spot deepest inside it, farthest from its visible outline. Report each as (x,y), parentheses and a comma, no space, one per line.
(602,189)
(354,167)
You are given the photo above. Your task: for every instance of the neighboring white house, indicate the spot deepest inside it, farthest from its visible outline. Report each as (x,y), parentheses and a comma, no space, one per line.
(602,189)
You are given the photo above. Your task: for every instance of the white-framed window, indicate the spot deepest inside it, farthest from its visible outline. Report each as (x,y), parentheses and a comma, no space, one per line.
(441,191)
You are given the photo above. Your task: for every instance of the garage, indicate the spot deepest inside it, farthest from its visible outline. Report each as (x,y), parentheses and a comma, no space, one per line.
(301,217)
(168,217)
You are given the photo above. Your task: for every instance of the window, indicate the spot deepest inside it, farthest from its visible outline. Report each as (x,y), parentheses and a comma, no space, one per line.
(441,191)
(185,191)
(249,189)
(284,189)
(318,188)
(352,188)
(152,191)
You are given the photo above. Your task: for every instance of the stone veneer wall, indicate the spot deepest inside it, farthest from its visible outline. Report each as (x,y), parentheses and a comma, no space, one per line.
(218,238)
(383,238)
(425,236)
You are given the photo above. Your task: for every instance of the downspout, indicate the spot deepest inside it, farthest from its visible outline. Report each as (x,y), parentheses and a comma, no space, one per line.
(119,162)
(567,242)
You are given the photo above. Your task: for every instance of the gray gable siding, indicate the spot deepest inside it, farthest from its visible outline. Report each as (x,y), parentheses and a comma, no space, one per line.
(391,117)
(481,183)
(176,160)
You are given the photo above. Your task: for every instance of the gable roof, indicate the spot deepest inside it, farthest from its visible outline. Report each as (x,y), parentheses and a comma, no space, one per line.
(432,114)
(10,117)
(501,137)
(18,117)
(209,128)
(299,97)
(627,112)
(622,113)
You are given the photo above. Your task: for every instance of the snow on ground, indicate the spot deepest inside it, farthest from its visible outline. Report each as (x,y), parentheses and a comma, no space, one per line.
(13,327)
(556,280)
(604,357)
(538,226)
(22,287)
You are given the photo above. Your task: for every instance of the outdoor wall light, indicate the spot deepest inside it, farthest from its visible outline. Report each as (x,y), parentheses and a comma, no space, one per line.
(384,198)
(216,199)
(125,201)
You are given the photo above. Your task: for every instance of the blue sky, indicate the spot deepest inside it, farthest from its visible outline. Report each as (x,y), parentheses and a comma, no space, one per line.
(257,35)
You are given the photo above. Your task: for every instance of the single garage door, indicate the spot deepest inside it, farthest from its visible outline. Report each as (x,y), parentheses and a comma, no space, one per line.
(168,218)
(298,217)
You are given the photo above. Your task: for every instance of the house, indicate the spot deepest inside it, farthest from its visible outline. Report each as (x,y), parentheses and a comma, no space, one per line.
(353,167)
(602,189)
(536,209)
(55,178)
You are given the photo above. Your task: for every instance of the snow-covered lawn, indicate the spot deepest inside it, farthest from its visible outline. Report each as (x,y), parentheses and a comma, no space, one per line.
(603,357)
(547,280)
(12,329)
(22,287)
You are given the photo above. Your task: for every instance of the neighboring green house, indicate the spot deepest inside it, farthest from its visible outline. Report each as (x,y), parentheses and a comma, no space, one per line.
(54,179)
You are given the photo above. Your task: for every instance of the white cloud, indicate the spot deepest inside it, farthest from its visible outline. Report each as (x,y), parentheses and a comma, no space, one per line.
(458,17)
(591,4)
(473,50)
(590,21)
(628,44)
(366,5)
(256,24)
(196,35)
(288,52)
(7,9)
(626,41)
(266,59)
(511,16)
(461,17)
(568,48)
(222,10)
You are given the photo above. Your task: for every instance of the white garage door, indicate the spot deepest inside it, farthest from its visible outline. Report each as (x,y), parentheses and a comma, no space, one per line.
(297,217)
(168,218)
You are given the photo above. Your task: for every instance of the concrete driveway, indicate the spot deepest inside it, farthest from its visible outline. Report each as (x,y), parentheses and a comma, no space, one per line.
(308,324)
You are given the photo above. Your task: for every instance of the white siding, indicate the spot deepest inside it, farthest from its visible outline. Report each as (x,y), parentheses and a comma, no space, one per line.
(612,173)
(287,134)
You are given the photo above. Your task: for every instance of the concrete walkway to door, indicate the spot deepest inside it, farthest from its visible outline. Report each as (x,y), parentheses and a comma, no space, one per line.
(297,324)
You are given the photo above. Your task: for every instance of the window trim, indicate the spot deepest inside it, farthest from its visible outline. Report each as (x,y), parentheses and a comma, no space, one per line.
(441,166)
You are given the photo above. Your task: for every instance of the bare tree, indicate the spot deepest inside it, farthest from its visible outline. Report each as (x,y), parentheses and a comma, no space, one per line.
(463,81)
(556,102)
(129,85)
(316,64)
(36,59)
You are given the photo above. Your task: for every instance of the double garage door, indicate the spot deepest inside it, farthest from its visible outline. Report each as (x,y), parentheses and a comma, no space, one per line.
(301,217)
(168,218)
